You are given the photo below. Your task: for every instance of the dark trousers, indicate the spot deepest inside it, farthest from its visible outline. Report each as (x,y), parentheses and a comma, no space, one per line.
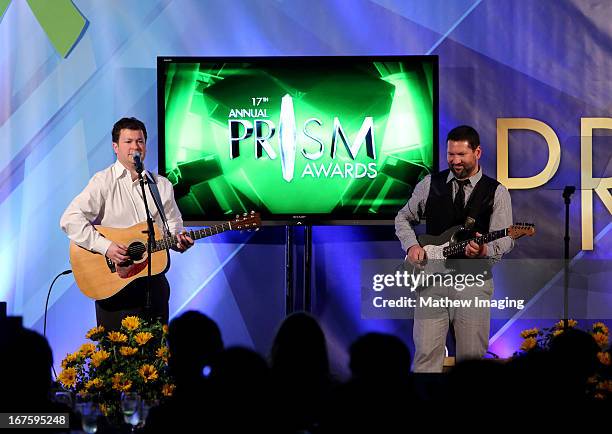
(131,300)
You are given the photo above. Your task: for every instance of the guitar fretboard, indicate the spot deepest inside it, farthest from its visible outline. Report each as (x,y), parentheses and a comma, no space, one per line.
(457,248)
(171,241)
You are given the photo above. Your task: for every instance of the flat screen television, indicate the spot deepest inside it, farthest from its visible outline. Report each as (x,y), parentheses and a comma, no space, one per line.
(304,140)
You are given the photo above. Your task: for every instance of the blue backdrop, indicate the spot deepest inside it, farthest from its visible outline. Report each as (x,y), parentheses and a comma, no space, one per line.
(548,60)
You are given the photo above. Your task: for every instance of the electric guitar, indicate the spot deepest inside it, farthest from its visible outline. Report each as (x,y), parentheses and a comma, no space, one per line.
(98,277)
(452,243)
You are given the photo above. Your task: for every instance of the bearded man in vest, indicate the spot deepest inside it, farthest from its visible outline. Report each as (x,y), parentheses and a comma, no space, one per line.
(459,195)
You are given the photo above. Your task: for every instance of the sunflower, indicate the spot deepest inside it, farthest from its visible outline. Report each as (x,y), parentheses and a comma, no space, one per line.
(68,377)
(604,358)
(120,383)
(163,353)
(570,324)
(94,383)
(117,337)
(98,357)
(168,389)
(128,351)
(529,344)
(600,327)
(130,323)
(601,339)
(143,337)
(95,333)
(165,329)
(70,358)
(87,349)
(529,333)
(148,373)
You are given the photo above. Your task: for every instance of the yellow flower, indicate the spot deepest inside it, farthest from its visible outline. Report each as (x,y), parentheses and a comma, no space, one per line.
(162,353)
(128,351)
(165,329)
(529,333)
(570,323)
(104,409)
(604,358)
(605,385)
(95,333)
(70,358)
(557,332)
(68,377)
(95,383)
(601,327)
(143,337)
(601,339)
(528,344)
(130,322)
(87,350)
(117,337)
(168,389)
(98,357)
(120,383)
(148,373)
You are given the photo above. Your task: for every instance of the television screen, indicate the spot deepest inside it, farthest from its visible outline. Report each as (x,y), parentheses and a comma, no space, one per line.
(311,140)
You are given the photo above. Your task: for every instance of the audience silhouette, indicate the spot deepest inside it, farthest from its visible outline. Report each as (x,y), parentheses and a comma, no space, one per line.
(236,390)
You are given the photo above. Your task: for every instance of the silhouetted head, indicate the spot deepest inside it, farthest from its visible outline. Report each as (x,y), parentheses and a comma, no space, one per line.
(379,356)
(300,348)
(239,370)
(194,340)
(26,361)
(574,352)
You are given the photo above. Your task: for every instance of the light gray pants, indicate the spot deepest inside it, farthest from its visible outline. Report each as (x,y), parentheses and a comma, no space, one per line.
(431,324)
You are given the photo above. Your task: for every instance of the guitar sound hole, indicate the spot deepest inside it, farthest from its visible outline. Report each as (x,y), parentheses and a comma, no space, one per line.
(136,251)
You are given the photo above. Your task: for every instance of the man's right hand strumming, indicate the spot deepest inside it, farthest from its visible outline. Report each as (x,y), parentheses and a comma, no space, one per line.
(417,256)
(117,253)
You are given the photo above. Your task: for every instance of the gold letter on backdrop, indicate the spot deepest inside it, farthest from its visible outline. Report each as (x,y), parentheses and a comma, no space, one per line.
(600,185)
(554,152)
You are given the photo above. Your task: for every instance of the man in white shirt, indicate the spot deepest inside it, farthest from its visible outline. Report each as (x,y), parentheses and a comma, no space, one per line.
(113,198)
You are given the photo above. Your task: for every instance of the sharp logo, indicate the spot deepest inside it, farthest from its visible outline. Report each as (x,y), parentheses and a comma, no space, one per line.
(261,131)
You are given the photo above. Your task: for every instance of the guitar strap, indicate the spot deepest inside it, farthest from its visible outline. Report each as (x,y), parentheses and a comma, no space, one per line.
(476,203)
(158,202)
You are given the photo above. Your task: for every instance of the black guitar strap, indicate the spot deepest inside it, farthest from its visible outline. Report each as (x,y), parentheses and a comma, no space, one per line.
(158,202)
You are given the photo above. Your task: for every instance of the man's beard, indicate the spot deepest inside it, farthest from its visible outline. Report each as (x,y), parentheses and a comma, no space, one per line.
(462,173)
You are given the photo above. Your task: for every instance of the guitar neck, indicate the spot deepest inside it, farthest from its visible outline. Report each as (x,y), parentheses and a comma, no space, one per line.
(169,242)
(457,248)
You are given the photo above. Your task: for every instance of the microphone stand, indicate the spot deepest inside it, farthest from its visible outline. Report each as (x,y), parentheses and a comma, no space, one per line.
(150,241)
(567,193)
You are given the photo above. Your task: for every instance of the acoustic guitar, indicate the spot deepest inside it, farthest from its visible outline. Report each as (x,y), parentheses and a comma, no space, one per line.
(98,277)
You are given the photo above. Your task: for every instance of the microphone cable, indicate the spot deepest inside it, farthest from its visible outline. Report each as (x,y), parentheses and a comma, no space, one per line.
(47,306)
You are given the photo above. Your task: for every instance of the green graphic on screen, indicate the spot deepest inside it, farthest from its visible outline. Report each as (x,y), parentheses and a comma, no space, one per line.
(343,140)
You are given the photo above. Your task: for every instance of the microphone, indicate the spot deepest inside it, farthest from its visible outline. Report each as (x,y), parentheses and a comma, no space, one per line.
(138,162)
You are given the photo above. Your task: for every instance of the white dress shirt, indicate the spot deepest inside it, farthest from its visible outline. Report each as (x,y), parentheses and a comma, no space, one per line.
(112,199)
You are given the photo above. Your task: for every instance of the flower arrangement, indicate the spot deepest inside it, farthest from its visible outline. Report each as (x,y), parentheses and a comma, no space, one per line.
(600,385)
(133,359)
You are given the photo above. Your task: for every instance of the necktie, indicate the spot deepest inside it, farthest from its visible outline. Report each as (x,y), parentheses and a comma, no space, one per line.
(459,202)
